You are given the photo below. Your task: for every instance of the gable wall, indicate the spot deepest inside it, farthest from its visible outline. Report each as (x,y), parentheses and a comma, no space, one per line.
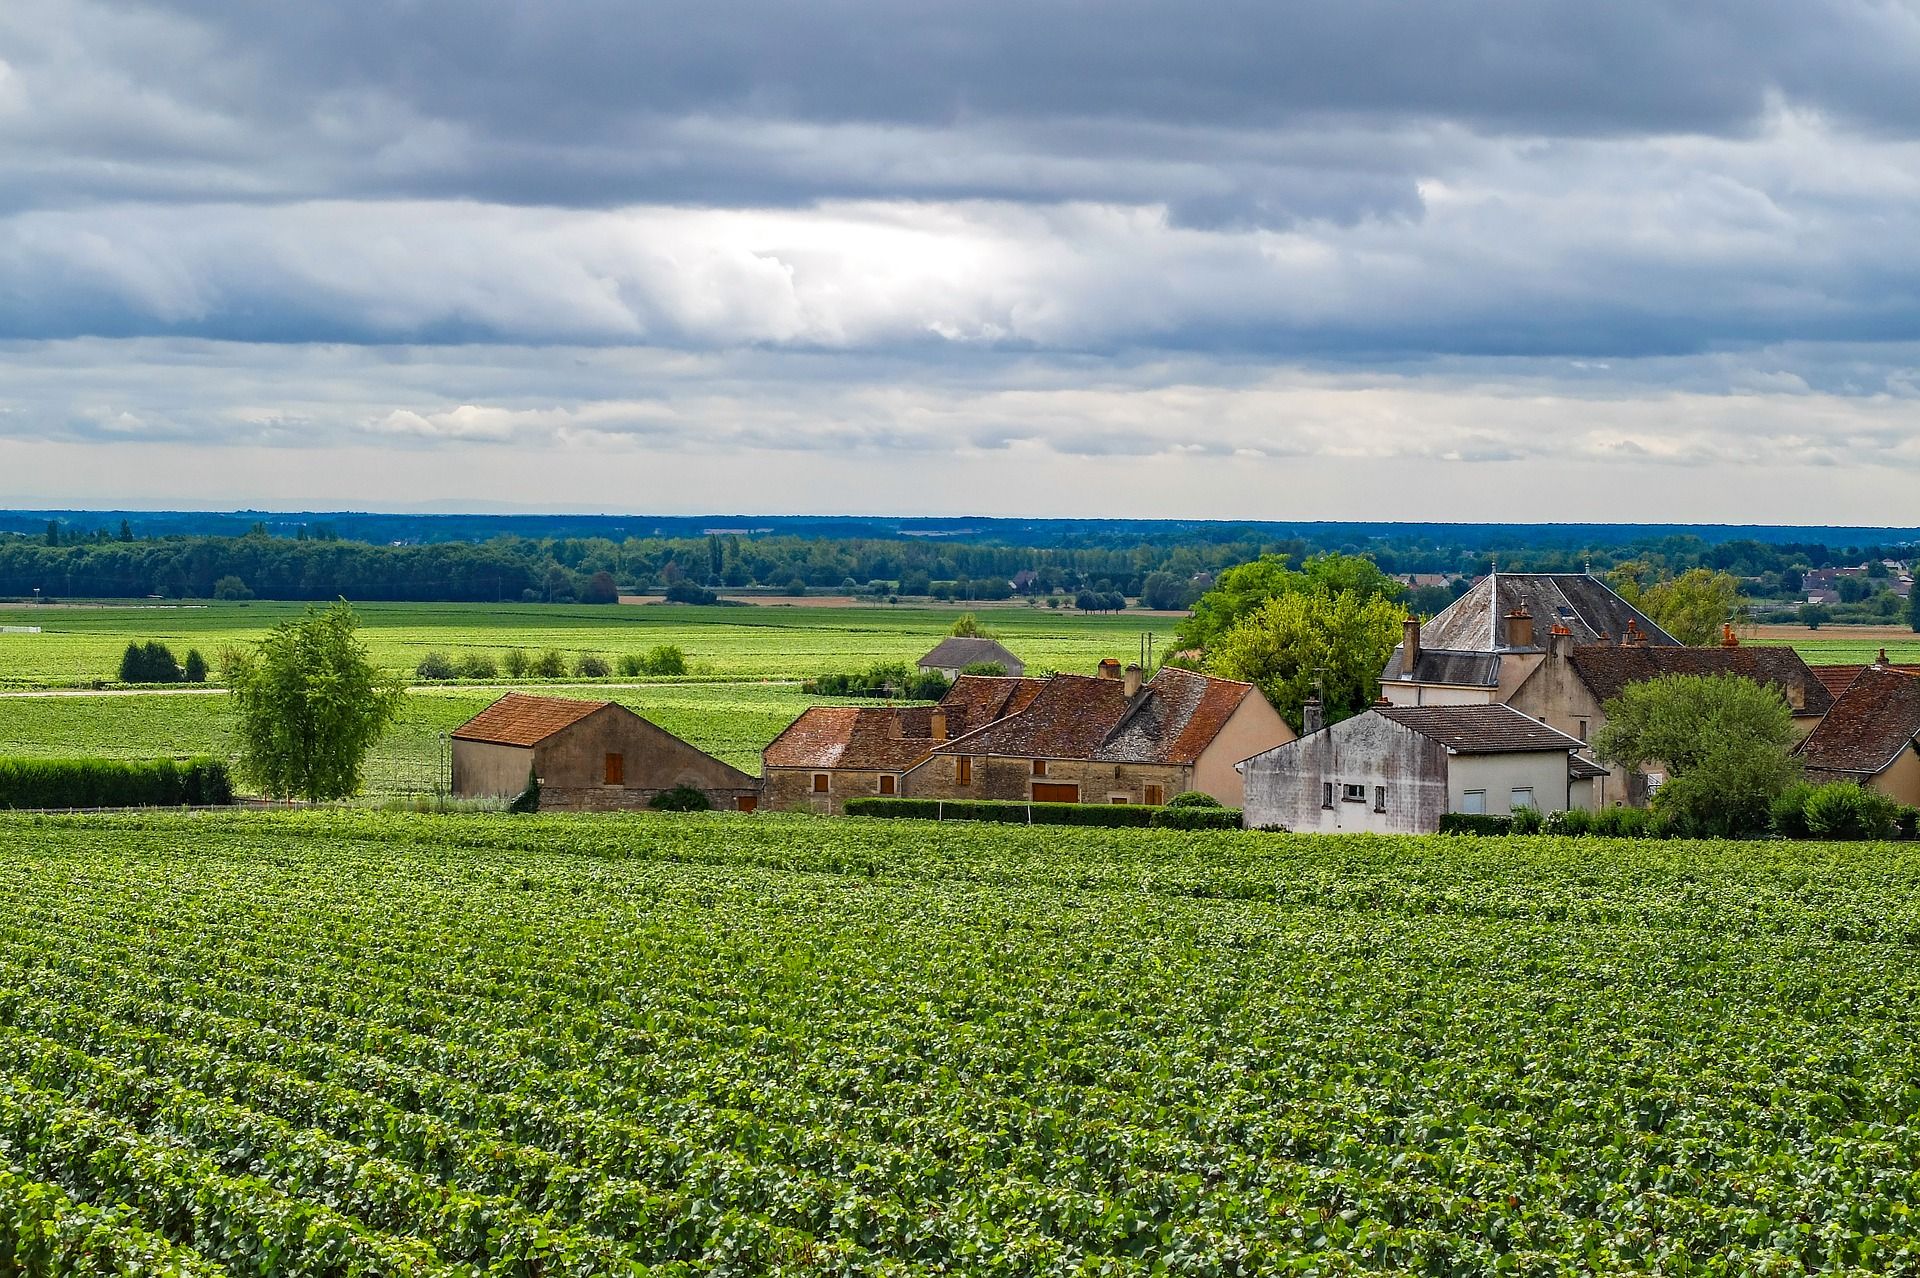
(1284,787)
(572,763)
(1253,727)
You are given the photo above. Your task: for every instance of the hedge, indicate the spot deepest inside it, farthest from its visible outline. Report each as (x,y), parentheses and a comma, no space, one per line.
(113,783)
(1134,815)
(1475,823)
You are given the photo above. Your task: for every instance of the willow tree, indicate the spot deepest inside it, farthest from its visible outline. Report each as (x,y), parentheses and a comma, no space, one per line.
(311,704)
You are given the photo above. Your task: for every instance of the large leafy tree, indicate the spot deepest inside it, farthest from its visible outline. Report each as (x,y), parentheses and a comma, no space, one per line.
(1244,589)
(1303,640)
(1691,607)
(1724,741)
(310,704)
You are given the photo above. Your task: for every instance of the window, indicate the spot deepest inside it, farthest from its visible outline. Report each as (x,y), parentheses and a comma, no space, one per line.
(1153,795)
(888,782)
(820,782)
(615,772)
(963,771)
(1580,728)
(1353,793)
(1039,767)
(1119,798)
(1326,794)
(1379,798)
(1474,801)
(1523,796)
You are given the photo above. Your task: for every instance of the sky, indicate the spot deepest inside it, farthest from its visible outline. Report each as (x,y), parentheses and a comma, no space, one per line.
(1504,260)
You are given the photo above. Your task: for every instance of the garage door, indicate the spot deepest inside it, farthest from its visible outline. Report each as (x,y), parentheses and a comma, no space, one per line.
(1055,792)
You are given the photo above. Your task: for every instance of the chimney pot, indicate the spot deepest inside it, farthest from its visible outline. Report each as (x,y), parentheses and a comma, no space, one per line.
(1727,638)
(1881,660)
(1409,645)
(1132,685)
(1313,717)
(1109,669)
(1520,628)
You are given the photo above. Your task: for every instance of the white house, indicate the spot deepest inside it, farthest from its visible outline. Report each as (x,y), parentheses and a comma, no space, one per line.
(1398,769)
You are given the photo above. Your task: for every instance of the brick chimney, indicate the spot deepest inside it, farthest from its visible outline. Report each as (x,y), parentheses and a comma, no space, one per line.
(1409,645)
(1559,642)
(1313,716)
(1132,684)
(1109,668)
(1881,660)
(1520,628)
(1727,638)
(939,722)
(1636,637)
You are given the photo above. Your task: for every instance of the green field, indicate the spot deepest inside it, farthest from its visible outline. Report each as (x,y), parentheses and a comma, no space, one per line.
(731,720)
(323,1043)
(80,645)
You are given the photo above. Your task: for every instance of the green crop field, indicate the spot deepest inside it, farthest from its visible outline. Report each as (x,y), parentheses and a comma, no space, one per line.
(333,1043)
(732,721)
(79,645)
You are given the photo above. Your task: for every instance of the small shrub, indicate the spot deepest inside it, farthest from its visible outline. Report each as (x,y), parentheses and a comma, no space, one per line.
(528,800)
(150,662)
(515,662)
(1528,820)
(682,798)
(436,666)
(1573,823)
(666,660)
(1217,817)
(685,592)
(1788,810)
(194,669)
(478,665)
(591,666)
(1842,810)
(632,665)
(1194,799)
(551,664)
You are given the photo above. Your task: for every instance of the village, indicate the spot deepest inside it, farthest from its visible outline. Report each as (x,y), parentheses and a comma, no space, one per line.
(1492,705)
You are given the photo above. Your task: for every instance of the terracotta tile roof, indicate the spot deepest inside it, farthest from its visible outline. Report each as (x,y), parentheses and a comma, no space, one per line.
(1607,669)
(521,720)
(1178,719)
(959,651)
(1080,717)
(1838,678)
(974,701)
(861,738)
(1870,726)
(1479,729)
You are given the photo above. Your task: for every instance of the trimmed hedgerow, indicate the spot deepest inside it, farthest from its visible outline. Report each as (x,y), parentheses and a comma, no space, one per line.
(113,783)
(1110,815)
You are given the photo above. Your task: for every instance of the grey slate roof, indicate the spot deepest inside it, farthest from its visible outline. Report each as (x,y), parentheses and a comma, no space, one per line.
(957,653)
(1579,601)
(1479,729)
(1471,669)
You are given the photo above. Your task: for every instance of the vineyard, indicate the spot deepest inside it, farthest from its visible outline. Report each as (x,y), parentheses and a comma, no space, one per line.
(78,645)
(334,1043)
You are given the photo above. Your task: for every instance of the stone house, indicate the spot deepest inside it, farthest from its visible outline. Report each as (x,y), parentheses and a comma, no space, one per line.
(1486,650)
(952,655)
(1398,769)
(589,755)
(833,753)
(1869,736)
(1110,738)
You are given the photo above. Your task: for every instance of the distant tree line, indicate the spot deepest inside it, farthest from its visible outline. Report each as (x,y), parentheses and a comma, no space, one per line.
(1169,573)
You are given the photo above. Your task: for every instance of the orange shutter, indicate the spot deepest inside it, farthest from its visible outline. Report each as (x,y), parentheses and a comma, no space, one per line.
(1055,792)
(616,773)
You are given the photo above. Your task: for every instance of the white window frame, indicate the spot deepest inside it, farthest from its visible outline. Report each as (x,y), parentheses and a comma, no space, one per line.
(1353,792)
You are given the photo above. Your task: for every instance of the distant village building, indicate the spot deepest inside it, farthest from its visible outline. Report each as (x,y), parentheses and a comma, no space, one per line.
(1112,738)
(1557,647)
(953,655)
(834,753)
(1399,769)
(1869,736)
(588,755)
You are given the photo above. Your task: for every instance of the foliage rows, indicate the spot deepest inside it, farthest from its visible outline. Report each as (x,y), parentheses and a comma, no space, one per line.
(113,783)
(333,1043)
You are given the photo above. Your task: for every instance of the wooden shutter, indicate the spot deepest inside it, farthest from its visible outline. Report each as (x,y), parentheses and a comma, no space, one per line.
(1055,792)
(616,770)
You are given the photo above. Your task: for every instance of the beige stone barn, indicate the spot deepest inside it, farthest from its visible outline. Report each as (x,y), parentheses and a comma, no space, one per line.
(589,755)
